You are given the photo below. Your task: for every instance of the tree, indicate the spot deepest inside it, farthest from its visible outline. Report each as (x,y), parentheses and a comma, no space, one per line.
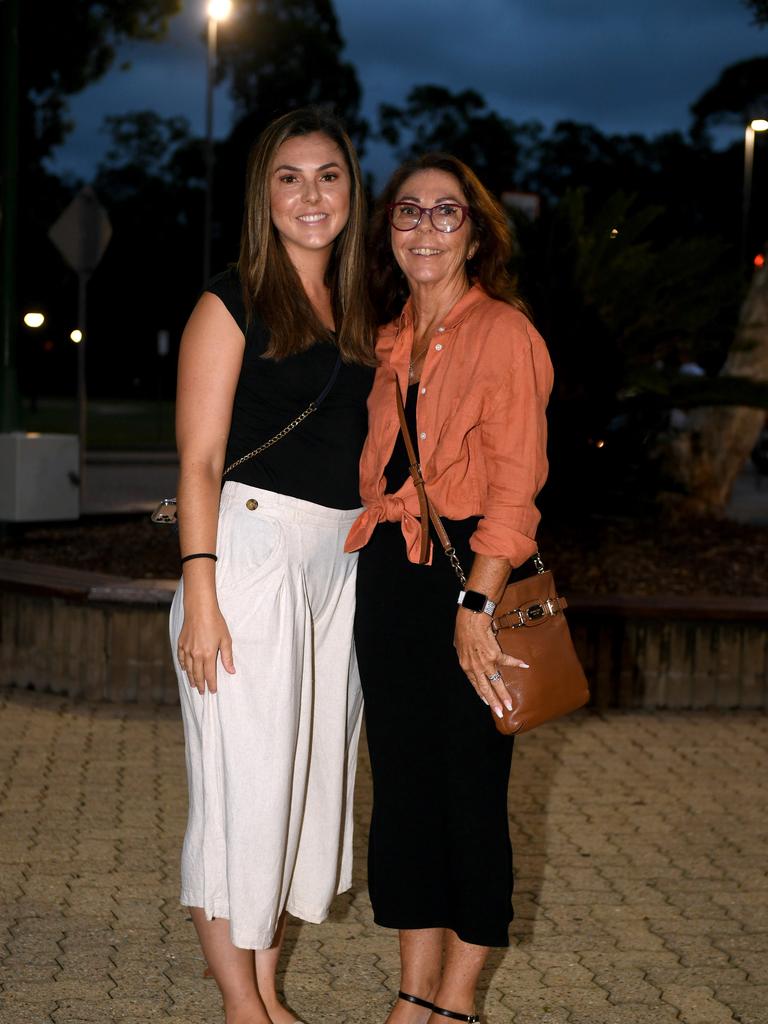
(434,118)
(284,54)
(759,9)
(712,451)
(740,93)
(64,46)
(152,182)
(620,310)
(67,45)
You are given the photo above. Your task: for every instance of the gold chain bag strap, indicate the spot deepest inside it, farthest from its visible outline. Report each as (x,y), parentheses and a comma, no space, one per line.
(165,513)
(529,624)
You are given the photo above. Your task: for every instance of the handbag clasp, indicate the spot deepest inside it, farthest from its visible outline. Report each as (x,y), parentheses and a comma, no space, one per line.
(531,614)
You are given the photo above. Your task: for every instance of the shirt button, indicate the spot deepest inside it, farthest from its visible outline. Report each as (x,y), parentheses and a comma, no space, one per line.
(423,391)
(438,347)
(423,436)
(441,330)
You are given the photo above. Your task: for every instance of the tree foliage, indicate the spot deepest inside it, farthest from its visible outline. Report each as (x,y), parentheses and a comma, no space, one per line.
(284,54)
(621,309)
(759,9)
(434,118)
(68,44)
(740,93)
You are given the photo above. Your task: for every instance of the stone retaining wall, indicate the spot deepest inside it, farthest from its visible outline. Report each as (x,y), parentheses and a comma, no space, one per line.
(106,638)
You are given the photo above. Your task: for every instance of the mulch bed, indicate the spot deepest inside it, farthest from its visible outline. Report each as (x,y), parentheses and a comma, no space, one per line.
(594,556)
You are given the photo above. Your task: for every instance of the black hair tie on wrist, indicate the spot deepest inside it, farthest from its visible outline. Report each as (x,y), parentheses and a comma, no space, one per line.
(200,554)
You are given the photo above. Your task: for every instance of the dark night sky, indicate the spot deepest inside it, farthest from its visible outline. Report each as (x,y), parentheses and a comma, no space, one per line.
(623,65)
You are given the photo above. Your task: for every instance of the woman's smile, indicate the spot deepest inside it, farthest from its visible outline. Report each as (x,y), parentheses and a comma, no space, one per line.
(312,218)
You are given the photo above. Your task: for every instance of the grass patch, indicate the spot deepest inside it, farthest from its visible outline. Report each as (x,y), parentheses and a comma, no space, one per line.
(113,424)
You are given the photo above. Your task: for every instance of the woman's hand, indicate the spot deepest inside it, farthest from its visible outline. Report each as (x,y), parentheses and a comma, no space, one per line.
(482,659)
(203,637)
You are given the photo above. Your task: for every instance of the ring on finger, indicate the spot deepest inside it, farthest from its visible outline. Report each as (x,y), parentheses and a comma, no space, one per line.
(494,678)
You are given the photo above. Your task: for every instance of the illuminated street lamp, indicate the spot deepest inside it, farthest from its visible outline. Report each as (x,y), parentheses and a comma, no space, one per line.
(34,319)
(758,124)
(76,336)
(218,10)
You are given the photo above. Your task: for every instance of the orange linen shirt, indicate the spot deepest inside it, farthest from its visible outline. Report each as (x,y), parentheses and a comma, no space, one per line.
(481,428)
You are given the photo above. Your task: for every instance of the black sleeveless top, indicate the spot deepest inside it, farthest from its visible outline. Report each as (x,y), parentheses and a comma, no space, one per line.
(318,461)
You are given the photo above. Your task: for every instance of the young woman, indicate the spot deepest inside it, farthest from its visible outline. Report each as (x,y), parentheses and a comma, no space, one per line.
(261,624)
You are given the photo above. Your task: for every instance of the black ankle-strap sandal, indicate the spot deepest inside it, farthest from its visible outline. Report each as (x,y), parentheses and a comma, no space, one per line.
(416,999)
(468,1018)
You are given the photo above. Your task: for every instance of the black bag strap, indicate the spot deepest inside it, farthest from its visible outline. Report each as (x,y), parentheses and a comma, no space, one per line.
(312,407)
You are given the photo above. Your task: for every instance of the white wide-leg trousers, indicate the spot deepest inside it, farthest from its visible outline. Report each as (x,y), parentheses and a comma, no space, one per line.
(271,756)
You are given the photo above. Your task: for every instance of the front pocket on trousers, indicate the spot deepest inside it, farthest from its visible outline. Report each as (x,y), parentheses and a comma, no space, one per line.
(249,545)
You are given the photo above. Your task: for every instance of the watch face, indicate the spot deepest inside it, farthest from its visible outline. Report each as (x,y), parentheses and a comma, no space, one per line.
(474,601)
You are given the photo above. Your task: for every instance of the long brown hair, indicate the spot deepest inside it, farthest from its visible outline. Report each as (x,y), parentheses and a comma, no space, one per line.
(269,280)
(490,229)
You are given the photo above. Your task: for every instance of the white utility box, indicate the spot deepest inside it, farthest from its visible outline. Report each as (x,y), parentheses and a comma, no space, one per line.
(39,477)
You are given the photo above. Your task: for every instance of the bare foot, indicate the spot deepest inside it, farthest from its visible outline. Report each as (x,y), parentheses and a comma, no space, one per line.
(278,1013)
(407,1013)
(246,1013)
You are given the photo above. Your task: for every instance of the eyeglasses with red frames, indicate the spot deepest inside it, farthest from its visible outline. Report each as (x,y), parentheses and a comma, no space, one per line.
(445,217)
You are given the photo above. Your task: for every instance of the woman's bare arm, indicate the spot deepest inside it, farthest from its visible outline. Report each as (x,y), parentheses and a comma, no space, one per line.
(209,365)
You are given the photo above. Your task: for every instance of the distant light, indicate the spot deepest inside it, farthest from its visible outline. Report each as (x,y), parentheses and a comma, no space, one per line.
(76,336)
(759,260)
(600,444)
(47,345)
(219,10)
(759,125)
(614,232)
(33,433)
(34,319)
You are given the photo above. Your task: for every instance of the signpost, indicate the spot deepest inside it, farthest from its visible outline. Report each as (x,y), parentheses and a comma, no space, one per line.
(82,234)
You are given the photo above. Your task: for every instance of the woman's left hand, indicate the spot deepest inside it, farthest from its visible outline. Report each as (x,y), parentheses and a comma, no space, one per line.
(482,659)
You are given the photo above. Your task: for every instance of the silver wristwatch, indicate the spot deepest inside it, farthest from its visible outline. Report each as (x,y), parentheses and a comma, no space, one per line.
(477,602)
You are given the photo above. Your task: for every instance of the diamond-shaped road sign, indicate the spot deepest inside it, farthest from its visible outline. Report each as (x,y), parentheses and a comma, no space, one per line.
(82,232)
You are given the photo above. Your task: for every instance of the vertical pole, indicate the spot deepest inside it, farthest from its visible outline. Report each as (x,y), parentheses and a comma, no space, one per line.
(210,76)
(10,406)
(749,149)
(82,404)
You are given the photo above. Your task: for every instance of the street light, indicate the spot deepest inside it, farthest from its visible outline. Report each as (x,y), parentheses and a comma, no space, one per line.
(76,335)
(34,319)
(758,124)
(218,10)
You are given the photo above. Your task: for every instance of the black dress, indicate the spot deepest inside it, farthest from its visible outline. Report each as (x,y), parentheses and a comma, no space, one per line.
(439,851)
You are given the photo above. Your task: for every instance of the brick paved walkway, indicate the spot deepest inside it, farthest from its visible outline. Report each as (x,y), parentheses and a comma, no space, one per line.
(641,878)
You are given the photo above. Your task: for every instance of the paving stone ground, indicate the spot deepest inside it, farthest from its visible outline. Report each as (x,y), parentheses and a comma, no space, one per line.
(640,848)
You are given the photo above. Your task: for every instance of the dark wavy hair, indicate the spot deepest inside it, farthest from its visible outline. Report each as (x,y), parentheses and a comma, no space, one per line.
(270,282)
(490,229)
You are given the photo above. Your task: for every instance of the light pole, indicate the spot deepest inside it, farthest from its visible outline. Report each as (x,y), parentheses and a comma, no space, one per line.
(759,124)
(217,11)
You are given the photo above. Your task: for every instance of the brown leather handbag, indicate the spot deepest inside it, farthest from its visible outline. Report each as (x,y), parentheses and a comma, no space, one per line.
(529,624)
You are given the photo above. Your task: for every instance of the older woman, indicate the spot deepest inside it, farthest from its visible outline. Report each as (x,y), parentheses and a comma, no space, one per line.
(475,377)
